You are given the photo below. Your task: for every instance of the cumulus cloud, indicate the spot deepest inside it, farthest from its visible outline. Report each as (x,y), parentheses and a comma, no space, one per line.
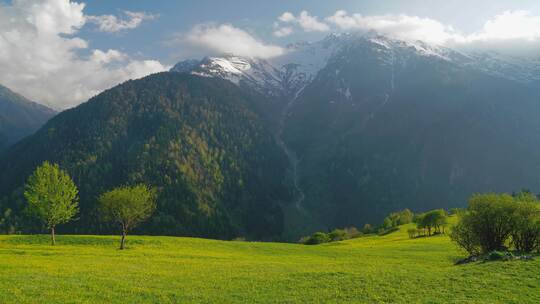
(304,20)
(398,26)
(111,23)
(511,32)
(510,25)
(515,33)
(283,32)
(225,38)
(40,54)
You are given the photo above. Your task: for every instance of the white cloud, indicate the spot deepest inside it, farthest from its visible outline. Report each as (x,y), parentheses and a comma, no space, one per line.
(107,57)
(398,26)
(514,33)
(111,23)
(225,38)
(40,54)
(287,17)
(307,22)
(510,25)
(283,32)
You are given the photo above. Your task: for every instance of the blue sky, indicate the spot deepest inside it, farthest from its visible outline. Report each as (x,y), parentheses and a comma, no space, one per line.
(257,17)
(62,52)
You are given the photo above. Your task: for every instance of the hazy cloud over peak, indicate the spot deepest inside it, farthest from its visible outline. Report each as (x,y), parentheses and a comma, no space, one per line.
(225,38)
(513,32)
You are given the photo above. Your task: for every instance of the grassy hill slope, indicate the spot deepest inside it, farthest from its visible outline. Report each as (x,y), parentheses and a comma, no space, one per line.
(387,269)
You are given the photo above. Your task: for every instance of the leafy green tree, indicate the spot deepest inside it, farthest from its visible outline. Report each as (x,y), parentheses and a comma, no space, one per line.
(432,220)
(487,223)
(439,219)
(464,236)
(412,232)
(52,196)
(128,206)
(398,218)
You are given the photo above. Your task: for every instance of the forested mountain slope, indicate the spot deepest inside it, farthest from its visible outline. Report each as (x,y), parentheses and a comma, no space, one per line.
(200,141)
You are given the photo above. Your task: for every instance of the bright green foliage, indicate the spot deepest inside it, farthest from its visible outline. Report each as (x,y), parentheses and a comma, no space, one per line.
(372,269)
(434,220)
(398,218)
(51,196)
(492,222)
(128,206)
(337,235)
(412,232)
(317,238)
(525,234)
(368,229)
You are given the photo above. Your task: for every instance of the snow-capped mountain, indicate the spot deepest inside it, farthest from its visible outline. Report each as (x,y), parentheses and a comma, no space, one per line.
(284,76)
(287,75)
(521,69)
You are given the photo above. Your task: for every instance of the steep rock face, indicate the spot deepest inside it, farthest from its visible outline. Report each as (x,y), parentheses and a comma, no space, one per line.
(19,117)
(217,167)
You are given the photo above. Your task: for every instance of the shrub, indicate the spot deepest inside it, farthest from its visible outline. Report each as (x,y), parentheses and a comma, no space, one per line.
(465,237)
(493,220)
(303,240)
(412,232)
(337,235)
(525,234)
(368,229)
(352,233)
(398,218)
(317,238)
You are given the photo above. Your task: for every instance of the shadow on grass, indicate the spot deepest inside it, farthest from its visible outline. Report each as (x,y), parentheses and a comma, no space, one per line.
(84,240)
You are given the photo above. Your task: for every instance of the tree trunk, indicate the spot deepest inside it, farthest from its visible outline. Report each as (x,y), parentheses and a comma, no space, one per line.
(53,240)
(124,232)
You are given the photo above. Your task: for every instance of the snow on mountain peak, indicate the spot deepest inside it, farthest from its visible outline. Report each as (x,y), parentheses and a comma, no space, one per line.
(288,74)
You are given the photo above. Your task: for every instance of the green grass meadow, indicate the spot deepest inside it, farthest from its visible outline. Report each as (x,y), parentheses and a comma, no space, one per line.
(375,269)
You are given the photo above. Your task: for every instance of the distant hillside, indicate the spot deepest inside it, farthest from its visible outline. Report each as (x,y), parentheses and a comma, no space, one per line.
(199,140)
(19,117)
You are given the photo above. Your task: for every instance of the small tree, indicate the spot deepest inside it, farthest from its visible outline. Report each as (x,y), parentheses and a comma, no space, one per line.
(337,235)
(128,206)
(412,232)
(317,238)
(367,229)
(51,196)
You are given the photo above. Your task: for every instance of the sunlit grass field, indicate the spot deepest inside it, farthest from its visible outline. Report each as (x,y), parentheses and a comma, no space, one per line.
(375,269)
